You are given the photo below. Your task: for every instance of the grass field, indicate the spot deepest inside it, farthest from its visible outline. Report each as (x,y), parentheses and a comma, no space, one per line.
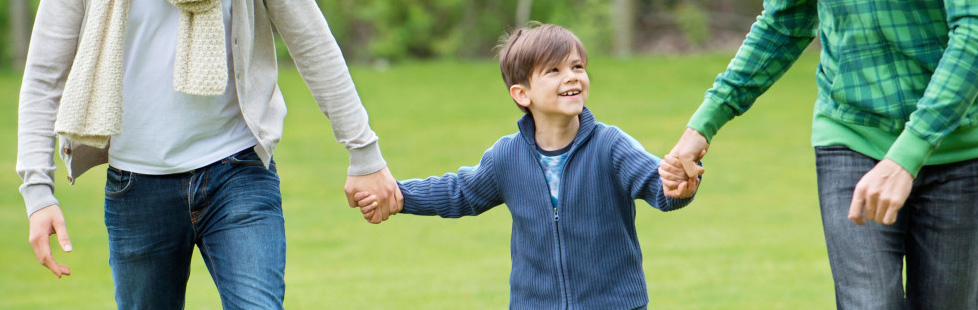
(751,240)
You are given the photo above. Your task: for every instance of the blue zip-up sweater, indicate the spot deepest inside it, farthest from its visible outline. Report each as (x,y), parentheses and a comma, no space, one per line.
(585,253)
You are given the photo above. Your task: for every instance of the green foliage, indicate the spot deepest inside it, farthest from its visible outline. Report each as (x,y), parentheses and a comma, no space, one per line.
(5,52)
(412,29)
(751,240)
(590,20)
(694,23)
(399,30)
(396,30)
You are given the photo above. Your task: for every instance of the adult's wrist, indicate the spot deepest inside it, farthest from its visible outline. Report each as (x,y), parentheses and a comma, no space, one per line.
(366,160)
(37,197)
(910,152)
(709,117)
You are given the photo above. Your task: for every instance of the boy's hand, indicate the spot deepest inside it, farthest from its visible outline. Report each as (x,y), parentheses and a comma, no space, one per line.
(367,203)
(690,149)
(675,181)
(380,183)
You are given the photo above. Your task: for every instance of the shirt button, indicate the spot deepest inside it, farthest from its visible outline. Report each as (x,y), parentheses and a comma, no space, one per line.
(66,151)
(70,180)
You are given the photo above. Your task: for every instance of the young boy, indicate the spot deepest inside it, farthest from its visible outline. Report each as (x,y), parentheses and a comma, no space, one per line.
(569,181)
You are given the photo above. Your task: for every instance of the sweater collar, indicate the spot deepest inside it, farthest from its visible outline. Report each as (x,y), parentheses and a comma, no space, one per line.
(528,129)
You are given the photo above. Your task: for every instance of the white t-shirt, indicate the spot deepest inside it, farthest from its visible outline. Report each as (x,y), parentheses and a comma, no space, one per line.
(164,131)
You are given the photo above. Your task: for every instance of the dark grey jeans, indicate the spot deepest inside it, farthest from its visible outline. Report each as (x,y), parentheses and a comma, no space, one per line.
(936,232)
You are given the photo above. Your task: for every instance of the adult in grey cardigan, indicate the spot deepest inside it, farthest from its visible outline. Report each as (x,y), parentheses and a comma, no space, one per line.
(253,93)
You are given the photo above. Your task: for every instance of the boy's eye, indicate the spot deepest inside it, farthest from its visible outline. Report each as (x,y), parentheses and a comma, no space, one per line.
(552,70)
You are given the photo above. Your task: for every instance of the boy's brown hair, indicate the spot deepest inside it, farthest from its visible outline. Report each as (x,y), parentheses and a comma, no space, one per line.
(534,46)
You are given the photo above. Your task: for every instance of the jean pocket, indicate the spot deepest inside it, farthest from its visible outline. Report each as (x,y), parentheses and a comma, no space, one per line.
(826,149)
(118,182)
(248,158)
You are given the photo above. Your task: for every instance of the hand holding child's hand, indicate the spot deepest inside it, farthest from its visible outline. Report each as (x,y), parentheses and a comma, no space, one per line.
(675,181)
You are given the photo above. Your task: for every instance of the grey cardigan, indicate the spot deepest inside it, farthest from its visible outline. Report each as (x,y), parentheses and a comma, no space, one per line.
(54,42)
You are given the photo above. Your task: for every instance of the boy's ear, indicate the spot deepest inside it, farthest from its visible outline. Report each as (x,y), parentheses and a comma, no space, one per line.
(520,95)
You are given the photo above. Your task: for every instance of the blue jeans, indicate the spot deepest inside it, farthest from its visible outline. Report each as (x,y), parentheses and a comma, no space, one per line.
(231,210)
(936,232)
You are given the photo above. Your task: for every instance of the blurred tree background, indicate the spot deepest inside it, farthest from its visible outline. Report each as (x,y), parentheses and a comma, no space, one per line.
(389,30)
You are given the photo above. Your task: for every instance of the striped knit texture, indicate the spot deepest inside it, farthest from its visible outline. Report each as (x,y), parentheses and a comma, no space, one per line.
(586,256)
(90,111)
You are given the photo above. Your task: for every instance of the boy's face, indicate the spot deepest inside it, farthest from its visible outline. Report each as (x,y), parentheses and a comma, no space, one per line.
(558,90)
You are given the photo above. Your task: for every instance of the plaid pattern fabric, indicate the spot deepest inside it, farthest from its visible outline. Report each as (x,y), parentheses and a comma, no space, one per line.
(909,65)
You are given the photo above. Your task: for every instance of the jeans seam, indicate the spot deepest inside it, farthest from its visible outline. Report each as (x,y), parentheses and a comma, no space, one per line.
(205,252)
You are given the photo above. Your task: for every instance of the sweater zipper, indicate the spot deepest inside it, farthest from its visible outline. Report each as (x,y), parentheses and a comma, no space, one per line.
(561,273)
(560,261)
(562,285)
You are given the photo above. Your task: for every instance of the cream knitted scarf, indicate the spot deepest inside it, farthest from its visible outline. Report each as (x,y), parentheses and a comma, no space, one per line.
(91,106)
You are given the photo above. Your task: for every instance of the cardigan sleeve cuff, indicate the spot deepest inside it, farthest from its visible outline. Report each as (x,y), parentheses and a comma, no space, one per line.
(709,117)
(366,160)
(37,197)
(910,152)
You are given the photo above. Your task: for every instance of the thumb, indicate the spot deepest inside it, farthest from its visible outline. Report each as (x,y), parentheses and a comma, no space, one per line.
(62,231)
(692,169)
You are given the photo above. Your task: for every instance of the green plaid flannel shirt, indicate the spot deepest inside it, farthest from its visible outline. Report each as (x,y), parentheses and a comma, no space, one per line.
(907,67)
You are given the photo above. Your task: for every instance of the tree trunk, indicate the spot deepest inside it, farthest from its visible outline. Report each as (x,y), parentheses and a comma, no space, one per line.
(623,23)
(523,12)
(20,19)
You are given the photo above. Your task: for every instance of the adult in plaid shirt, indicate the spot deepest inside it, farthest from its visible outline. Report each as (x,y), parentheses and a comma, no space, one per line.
(895,131)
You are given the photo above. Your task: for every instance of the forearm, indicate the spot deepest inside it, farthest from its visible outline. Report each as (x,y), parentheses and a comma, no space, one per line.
(321,64)
(780,35)
(49,59)
(447,196)
(951,92)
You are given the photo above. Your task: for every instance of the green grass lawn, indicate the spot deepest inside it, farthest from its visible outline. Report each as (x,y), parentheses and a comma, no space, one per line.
(751,240)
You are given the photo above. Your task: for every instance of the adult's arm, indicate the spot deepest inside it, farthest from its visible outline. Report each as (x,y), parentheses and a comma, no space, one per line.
(952,90)
(321,64)
(781,33)
(52,50)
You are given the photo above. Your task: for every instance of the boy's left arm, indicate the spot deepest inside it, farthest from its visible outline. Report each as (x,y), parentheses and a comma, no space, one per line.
(638,171)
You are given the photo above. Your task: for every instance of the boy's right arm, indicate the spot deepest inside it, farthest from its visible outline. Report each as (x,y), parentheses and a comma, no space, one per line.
(471,191)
